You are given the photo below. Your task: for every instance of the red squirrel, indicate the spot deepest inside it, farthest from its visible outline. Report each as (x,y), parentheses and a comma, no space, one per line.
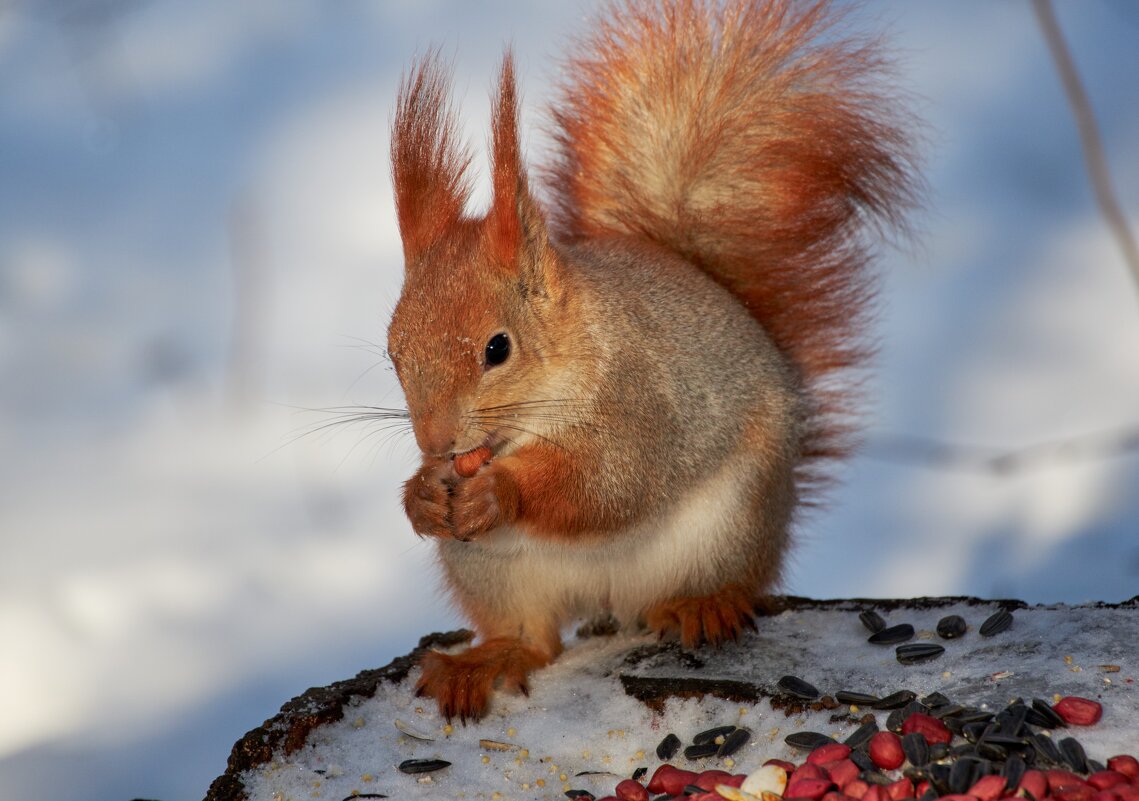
(624,387)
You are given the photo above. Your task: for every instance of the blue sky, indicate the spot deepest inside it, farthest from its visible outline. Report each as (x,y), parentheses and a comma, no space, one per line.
(197,238)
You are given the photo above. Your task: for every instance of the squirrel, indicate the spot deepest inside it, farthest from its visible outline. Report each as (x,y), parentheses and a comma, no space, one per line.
(625,389)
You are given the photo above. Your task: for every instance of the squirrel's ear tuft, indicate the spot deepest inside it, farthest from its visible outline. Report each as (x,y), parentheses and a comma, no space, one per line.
(515,229)
(429,164)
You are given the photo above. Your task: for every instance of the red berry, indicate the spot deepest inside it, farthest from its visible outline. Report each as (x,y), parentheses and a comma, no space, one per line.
(902,788)
(828,753)
(668,779)
(957,797)
(1073,792)
(629,790)
(807,771)
(1034,782)
(843,772)
(1125,764)
(1078,711)
(710,778)
(988,788)
(1127,792)
(807,788)
(856,789)
(934,730)
(876,793)
(1060,779)
(1106,795)
(1106,779)
(886,750)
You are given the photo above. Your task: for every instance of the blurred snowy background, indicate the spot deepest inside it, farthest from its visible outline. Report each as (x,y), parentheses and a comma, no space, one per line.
(197,238)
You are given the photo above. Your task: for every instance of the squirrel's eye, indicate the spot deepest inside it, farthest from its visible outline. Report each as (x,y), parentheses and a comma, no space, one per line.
(497,349)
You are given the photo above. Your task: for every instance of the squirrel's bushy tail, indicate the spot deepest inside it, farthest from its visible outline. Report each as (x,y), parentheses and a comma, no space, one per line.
(753,139)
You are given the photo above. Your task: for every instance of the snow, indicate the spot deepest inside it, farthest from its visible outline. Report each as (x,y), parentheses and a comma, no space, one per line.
(578,717)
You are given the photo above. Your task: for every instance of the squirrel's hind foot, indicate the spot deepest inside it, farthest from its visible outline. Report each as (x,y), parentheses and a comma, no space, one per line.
(711,619)
(462,683)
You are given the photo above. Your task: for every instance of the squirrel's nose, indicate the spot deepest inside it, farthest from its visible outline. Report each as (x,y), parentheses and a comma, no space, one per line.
(435,433)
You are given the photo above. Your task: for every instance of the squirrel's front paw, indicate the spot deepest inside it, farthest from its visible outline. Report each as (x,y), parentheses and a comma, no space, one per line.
(426,499)
(482,502)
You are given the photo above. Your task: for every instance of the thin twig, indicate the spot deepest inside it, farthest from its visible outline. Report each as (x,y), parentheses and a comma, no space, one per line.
(1089,135)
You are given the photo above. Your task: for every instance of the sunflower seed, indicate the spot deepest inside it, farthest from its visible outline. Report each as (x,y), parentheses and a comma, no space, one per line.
(639,773)
(916,748)
(412,732)
(996,623)
(1073,753)
(700,751)
(733,742)
(872,620)
(799,688)
(708,735)
(861,699)
(862,734)
(895,700)
(1046,749)
(1043,715)
(668,747)
(862,760)
(1014,770)
(951,627)
(422,765)
(892,635)
(915,652)
(935,699)
(807,740)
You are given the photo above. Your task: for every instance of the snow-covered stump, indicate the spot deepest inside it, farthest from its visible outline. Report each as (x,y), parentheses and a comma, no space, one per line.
(596,715)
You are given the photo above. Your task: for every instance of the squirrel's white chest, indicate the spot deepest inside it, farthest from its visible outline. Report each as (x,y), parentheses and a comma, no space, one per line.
(689,549)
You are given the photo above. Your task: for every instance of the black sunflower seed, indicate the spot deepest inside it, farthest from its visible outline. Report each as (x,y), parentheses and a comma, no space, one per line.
(872,620)
(1096,767)
(973,732)
(895,700)
(709,735)
(916,748)
(1046,749)
(930,794)
(892,635)
(668,747)
(962,773)
(807,740)
(1073,753)
(915,652)
(422,765)
(935,699)
(1011,719)
(947,711)
(862,734)
(894,720)
(639,773)
(938,751)
(972,715)
(1043,715)
(1014,770)
(990,750)
(860,699)
(862,760)
(700,751)
(951,627)
(996,623)
(694,789)
(733,742)
(580,795)
(799,688)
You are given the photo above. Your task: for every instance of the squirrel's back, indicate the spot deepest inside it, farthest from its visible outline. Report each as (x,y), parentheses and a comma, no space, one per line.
(754,140)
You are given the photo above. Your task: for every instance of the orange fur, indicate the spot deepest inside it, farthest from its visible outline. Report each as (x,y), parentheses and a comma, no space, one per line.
(709,619)
(462,683)
(678,325)
(779,149)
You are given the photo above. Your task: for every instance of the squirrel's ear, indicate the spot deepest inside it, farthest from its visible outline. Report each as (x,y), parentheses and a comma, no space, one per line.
(429,164)
(515,229)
